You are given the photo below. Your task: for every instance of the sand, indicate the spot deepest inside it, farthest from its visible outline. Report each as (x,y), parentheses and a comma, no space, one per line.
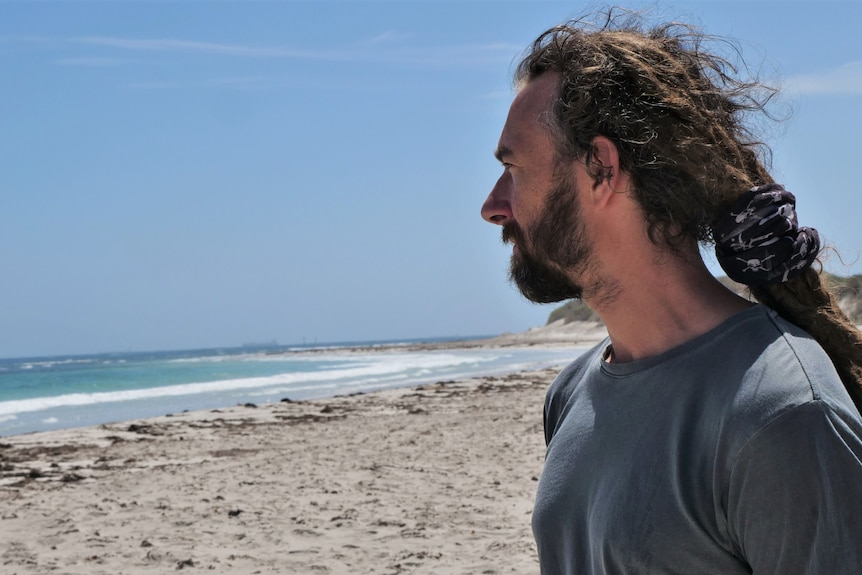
(437,479)
(434,479)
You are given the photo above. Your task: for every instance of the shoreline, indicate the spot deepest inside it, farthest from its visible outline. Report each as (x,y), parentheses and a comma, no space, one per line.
(104,391)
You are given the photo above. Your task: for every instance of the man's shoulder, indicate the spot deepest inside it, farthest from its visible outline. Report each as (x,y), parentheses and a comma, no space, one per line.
(766,369)
(794,357)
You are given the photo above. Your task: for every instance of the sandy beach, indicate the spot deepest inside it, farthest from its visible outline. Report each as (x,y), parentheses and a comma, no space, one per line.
(433,479)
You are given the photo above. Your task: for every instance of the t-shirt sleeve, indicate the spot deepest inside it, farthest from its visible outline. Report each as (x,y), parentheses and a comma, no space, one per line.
(794,498)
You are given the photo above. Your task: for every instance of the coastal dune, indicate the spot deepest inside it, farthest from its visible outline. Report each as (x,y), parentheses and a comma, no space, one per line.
(434,479)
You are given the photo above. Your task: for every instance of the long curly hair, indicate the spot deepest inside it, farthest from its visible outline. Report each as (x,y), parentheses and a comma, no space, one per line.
(680,116)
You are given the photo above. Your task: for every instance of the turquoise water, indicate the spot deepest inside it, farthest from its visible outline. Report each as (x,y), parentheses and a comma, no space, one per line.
(38,394)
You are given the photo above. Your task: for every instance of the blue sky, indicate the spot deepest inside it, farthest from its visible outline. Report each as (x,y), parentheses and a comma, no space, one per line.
(195,174)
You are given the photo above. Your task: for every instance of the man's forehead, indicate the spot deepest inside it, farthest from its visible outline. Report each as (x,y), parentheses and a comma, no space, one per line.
(535,97)
(527,113)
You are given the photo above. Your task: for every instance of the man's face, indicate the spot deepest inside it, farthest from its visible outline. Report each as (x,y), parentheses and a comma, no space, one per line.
(537,203)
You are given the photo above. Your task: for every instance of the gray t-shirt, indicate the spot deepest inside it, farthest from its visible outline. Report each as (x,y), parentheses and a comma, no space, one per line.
(736,452)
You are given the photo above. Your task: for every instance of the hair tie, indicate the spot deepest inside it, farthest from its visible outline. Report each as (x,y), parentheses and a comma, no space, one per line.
(759,240)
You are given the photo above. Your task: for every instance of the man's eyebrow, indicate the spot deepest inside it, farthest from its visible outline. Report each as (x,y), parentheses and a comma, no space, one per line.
(501,152)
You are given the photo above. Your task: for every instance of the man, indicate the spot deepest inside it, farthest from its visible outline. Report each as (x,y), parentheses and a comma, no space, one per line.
(707,434)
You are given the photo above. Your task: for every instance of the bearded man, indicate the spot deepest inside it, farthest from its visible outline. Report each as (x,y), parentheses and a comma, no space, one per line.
(709,433)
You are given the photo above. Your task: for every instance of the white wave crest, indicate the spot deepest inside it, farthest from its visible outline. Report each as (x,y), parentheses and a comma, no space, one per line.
(362,369)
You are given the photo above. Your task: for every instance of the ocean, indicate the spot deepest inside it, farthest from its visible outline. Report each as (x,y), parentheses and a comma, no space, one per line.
(48,393)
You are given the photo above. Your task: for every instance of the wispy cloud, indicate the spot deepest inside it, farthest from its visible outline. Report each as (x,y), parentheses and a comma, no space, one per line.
(243,83)
(387,48)
(843,80)
(379,50)
(388,37)
(191,46)
(93,62)
(155,85)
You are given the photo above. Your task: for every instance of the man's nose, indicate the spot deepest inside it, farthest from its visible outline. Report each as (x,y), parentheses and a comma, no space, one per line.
(496,208)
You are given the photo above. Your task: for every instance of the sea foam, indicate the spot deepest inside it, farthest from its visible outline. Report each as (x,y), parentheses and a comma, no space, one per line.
(67,392)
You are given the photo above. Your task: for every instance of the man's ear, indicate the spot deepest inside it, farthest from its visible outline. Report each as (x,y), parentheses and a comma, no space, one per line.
(604,161)
(608,178)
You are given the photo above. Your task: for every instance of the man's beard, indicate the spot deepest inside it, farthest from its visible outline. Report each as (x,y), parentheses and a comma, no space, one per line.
(558,242)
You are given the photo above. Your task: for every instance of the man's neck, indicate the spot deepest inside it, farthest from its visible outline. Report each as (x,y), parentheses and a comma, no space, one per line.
(667,307)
